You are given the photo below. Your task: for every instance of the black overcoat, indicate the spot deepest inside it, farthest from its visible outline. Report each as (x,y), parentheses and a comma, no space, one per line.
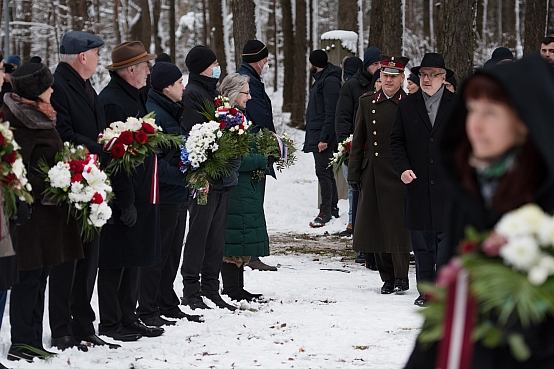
(139,245)
(381,203)
(258,108)
(414,145)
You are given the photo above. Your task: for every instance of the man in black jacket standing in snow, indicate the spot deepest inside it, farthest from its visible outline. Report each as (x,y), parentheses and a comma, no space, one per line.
(320,131)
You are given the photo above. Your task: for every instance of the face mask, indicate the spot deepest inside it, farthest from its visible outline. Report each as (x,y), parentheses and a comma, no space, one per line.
(216,72)
(265,69)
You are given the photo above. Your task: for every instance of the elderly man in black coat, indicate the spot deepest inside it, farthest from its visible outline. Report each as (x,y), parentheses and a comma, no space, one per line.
(132,240)
(320,131)
(80,119)
(419,123)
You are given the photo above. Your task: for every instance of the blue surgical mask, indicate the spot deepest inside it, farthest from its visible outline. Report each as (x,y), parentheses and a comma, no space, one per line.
(216,72)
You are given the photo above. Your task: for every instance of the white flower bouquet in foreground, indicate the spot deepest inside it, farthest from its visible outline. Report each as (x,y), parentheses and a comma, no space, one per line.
(77,180)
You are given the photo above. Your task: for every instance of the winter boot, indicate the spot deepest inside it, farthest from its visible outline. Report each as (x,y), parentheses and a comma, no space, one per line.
(247,295)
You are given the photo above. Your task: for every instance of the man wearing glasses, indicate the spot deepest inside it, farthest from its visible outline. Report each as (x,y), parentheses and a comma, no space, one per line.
(414,142)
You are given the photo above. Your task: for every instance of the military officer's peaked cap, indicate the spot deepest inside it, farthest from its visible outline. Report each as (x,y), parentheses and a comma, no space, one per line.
(393,64)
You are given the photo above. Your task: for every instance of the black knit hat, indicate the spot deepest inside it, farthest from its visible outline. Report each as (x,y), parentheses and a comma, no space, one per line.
(31,80)
(318,58)
(199,58)
(163,57)
(254,51)
(164,74)
(414,78)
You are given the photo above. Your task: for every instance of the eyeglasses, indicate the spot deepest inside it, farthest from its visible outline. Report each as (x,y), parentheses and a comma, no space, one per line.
(429,75)
(246,93)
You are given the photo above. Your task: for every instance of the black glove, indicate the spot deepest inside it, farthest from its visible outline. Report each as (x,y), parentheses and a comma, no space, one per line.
(271,160)
(129,215)
(23,212)
(356,186)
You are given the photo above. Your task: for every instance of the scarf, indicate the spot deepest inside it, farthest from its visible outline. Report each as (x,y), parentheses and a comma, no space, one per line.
(45,108)
(432,104)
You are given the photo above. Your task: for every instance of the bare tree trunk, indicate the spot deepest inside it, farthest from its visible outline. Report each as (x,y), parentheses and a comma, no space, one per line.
(348,17)
(115,20)
(456,40)
(299,83)
(172,29)
(272,39)
(386,26)
(142,29)
(244,26)
(508,26)
(438,18)
(205,25)
(426,19)
(535,25)
(26,15)
(288,55)
(156,12)
(218,46)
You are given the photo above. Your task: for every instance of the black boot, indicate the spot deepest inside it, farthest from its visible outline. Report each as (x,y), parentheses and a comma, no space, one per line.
(230,275)
(247,295)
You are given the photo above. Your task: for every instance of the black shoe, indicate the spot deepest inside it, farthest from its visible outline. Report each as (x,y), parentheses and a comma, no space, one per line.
(156,321)
(178,314)
(420,301)
(66,342)
(215,297)
(139,328)
(360,257)
(252,296)
(335,212)
(320,220)
(347,232)
(242,294)
(121,334)
(3,367)
(388,287)
(194,302)
(94,340)
(260,265)
(401,285)
(28,353)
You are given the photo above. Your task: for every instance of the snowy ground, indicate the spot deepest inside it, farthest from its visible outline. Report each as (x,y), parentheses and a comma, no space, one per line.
(315,318)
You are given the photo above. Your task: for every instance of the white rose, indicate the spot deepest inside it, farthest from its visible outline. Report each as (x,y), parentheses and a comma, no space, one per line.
(521,252)
(512,225)
(537,275)
(18,168)
(133,124)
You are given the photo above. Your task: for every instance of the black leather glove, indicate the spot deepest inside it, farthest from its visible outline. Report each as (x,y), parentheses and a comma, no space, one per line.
(23,212)
(129,215)
(355,185)
(271,160)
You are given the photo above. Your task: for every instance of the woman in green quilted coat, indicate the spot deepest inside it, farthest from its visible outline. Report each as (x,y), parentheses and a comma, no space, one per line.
(246,233)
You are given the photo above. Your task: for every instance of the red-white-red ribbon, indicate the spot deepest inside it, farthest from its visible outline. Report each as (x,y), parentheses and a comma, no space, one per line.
(456,348)
(155,188)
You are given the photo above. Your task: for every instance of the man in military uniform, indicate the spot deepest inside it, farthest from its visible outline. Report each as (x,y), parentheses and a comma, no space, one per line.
(371,171)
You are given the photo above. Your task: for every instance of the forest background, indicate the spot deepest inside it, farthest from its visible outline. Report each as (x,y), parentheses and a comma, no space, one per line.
(464,31)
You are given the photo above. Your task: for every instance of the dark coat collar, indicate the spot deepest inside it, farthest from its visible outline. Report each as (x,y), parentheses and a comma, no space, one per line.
(175,109)
(74,80)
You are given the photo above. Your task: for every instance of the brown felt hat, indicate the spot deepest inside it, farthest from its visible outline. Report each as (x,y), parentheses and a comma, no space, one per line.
(129,53)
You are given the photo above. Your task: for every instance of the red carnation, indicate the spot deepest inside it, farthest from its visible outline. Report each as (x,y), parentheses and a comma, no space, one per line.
(467,247)
(148,128)
(9,178)
(97,198)
(10,158)
(77,177)
(241,126)
(141,137)
(234,111)
(118,150)
(126,138)
(221,125)
(217,102)
(348,146)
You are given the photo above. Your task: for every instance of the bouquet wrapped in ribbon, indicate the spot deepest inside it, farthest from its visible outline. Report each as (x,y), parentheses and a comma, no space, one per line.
(270,144)
(210,147)
(343,154)
(130,142)
(501,284)
(77,180)
(13,176)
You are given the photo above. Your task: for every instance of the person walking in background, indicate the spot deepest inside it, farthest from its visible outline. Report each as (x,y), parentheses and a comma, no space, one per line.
(350,65)
(321,139)
(156,295)
(50,237)
(80,119)
(347,105)
(205,241)
(255,65)
(413,84)
(246,232)
(132,241)
(371,172)
(420,121)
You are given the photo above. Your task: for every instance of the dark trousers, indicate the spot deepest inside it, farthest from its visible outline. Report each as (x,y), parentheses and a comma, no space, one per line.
(156,293)
(27,307)
(3,295)
(392,265)
(117,297)
(425,245)
(326,179)
(71,287)
(205,244)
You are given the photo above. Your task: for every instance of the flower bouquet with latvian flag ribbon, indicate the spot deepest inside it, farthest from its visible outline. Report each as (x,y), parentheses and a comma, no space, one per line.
(343,154)
(13,176)
(280,147)
(77,180)
(130,142)
(501,284)
(210,147)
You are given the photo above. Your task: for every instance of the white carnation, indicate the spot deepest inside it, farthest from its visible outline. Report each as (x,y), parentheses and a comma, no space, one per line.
(537,275)
(60,175)
(99,214)
(521,252)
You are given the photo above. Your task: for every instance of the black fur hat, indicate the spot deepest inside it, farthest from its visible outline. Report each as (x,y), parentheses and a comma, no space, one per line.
(31,80)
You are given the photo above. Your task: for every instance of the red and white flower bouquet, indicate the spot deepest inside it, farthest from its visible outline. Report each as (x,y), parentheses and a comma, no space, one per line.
(77,180)
(130,142)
